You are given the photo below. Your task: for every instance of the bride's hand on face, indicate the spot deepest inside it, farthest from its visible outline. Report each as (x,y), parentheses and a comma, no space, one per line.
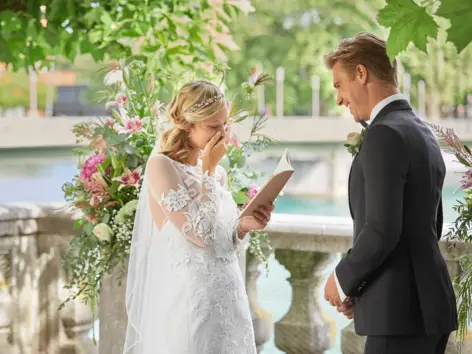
(213,152)
(257,221)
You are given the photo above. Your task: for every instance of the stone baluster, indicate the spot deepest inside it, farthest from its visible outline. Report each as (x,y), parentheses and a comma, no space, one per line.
(76,321)
(303,330)
(64,332)
(261,319)
(5,304)
(113,318)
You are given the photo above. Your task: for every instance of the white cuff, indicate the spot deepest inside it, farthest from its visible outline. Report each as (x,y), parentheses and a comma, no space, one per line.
(342,296)
(239,242)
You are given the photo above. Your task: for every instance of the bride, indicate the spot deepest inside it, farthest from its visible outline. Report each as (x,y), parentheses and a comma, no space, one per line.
(185,292)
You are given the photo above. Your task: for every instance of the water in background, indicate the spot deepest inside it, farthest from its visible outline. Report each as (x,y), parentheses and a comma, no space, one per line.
(37,176)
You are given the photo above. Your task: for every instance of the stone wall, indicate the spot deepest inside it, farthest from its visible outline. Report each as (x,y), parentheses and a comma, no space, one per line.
(32,241)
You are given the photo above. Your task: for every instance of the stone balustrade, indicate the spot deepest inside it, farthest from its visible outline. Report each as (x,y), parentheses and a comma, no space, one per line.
(33,239)
(303,245)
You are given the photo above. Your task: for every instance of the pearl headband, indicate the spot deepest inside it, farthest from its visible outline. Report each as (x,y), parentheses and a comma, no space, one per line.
(204,103)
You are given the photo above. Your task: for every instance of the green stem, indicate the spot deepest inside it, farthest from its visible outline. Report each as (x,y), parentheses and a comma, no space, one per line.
(131,101)
(147,97)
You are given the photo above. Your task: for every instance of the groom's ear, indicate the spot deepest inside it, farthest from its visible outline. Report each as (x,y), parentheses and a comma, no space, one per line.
(361,74)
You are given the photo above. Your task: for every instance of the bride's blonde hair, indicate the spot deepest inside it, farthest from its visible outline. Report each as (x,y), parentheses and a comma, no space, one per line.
(194,103)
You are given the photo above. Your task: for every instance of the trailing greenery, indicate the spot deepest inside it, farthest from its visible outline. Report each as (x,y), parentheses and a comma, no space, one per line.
(461,230)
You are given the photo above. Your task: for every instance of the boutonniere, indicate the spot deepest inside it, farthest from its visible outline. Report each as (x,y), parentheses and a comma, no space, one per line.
(354,141)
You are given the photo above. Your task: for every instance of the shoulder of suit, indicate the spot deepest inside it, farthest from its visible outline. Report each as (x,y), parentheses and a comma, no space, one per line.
(389,125)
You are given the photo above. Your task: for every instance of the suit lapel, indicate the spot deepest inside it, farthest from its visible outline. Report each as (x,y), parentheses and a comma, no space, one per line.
(398,105)
(349,186)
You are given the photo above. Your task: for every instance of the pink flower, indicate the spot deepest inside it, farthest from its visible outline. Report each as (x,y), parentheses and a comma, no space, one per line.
(120,101)
(233,141)
(90,166)
(253,189)
(110,123)
(134,125)
(91,218)
(95,200)
(99,143)
(466,181)
(131,178)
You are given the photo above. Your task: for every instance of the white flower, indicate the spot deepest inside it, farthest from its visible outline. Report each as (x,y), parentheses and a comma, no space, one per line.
(103,231)
(113,77)
(157,108)
(244,5)
(353,139)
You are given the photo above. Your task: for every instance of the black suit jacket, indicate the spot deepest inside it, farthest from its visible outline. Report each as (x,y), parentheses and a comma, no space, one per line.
(395,270)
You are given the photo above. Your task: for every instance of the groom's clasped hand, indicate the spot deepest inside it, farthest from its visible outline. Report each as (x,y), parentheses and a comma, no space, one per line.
(347,308)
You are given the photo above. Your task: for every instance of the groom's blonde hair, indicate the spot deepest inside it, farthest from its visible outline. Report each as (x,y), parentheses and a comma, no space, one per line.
(365,49)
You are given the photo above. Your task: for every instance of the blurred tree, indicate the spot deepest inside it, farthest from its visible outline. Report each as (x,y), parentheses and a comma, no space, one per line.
(15,90)
(296,35)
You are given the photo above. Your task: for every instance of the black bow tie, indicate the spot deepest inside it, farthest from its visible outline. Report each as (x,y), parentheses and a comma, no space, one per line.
(364,123)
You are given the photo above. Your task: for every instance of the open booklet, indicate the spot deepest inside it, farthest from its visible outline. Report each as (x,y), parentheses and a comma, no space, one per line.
(272,187)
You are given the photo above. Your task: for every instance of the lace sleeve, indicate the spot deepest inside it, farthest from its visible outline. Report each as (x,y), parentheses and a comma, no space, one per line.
(240,244)
(222,176)
(191,207)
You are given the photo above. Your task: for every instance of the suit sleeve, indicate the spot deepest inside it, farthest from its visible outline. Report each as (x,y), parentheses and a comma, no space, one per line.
(439,220)
(384,161)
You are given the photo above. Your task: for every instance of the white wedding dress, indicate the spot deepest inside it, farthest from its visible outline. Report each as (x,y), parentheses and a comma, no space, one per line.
(185,290)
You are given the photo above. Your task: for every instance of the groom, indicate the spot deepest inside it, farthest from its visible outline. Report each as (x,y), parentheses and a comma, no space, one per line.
(394,280)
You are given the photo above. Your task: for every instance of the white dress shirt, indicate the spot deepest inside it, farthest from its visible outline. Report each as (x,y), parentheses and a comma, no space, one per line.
(375,111)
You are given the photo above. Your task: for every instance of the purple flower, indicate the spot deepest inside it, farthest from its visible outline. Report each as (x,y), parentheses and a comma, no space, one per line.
(466,181)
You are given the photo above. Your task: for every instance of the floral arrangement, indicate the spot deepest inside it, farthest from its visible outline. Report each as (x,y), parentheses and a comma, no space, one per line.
(111,168)
(461,229)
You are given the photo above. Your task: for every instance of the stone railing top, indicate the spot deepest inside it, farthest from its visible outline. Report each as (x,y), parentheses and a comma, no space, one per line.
(329,234)
(16,132)
(287,231)
(31,218)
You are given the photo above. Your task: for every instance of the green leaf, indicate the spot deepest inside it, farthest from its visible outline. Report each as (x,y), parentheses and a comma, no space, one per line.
(178,49)
(463,161)
(95,36)
(78,224)
(89,229)
(106,218)
(132,162)
(93,16)
(408,22)
(129,149)
(459,12)
(467,149)
(240,197)
(106,19)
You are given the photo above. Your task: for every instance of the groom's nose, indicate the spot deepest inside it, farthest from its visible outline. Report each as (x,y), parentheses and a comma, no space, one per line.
(339,100)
